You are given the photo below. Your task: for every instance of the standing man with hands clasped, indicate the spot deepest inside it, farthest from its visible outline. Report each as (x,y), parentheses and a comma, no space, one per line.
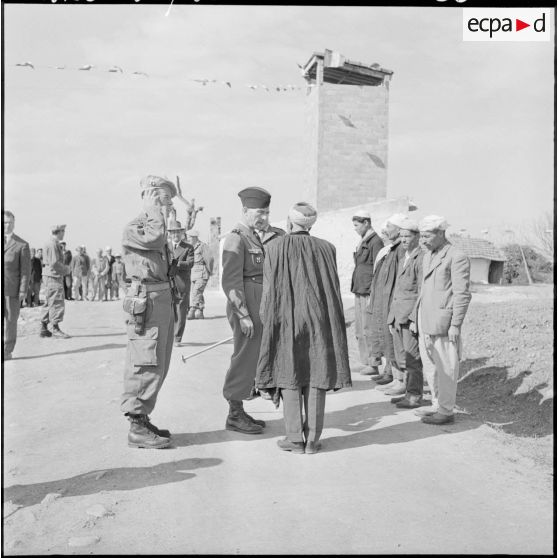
(242,278)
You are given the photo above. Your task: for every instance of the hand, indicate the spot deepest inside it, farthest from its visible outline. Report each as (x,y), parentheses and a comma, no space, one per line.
(413,327)
(247,326)
(453,334)
(391,329)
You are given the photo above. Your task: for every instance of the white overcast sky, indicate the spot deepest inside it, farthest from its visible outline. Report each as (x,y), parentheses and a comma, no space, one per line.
(471,123)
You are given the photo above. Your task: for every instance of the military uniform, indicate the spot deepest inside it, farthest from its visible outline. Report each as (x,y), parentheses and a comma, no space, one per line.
(147,261)
(53,273)
(201,271)
(242,278)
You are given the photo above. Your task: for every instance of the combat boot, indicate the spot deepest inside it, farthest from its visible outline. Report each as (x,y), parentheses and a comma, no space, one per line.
(191,314)
(163,432)
(141,436)
(238,421)
(252,419)
(57,332)
(44,330)
(199,314)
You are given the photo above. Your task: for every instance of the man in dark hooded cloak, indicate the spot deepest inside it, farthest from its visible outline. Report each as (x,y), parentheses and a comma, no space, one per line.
(304,341)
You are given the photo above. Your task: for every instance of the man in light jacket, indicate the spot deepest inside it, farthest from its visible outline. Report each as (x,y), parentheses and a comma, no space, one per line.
(441,307)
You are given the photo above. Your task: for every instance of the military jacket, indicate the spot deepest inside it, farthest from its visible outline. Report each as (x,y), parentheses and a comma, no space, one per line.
(242,261)
(145,249)
(53,258)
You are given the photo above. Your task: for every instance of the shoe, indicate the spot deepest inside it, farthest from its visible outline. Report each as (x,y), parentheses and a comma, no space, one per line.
(198,315)
(397,399)
(369,371)
(57,332)
(399,389)
(140,436)
(410,402)
(425,412)
(255,421)
(45,331)
(191,314)
(438,418)
(294,447)
(388,386)
(162,432)
(237,421)
(383,380)
(313,447)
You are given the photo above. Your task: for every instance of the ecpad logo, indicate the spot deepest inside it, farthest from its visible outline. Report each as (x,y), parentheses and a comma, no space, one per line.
(506,24)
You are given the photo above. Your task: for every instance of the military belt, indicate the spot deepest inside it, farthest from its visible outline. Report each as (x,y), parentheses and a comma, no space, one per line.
(254,279)
(153,287)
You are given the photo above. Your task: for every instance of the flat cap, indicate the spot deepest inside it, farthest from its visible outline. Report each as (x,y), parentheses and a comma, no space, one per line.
(254,197)
(175,226)
(150,181)
(361,214)
(56,228)
(433,223)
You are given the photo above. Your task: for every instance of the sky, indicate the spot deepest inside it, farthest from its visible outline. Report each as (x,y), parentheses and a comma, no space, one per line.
(470,123)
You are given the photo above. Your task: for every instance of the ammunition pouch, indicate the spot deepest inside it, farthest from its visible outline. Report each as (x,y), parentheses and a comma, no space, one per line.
(135,304)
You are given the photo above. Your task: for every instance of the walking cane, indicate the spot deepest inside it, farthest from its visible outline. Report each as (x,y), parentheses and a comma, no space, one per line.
(185,358)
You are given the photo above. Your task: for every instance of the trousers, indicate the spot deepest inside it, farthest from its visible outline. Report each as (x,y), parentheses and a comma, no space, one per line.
(11,314)
(83,282)
(181,312)
(440,360)
(197,289)
(362,330)
(311,426)
(244,360)
(407,358)
(148,355)
(54,300)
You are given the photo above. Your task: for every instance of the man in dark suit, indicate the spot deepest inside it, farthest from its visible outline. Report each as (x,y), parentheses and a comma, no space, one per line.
(68,280)
(183,254)
(17,264)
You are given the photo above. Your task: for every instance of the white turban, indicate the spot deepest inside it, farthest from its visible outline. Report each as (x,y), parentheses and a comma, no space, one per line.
(303,214)
(433,223)
(409,225)
(398,219)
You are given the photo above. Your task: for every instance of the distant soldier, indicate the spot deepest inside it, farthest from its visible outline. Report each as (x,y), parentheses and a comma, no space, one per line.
(54,273)
(201,272)
(242,278)
(149,303)
(99,270)
(183,254)
(118,276)
(441,307)
(80,273)
(17,263)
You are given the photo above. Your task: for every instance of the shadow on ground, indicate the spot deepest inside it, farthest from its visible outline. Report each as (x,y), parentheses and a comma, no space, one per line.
(487,393)
(358,421)
(72,351)
(123,478)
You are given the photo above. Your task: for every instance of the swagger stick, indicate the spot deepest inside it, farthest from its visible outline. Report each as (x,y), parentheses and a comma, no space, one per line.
(185,358)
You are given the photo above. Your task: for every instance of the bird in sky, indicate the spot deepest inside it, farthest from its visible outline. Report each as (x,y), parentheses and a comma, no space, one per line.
(116,69)
(263,86)
(140,74)
(228,83)
(28,64)
(252,86)
(205,81)
(86,67)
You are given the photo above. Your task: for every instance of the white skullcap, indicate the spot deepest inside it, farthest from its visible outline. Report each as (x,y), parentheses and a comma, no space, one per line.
(398,219)
(361,214)
(108,248)
(433,223)
(303,214)
(409,225)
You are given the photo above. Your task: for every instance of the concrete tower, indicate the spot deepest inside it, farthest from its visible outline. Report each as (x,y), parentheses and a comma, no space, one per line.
(347,106)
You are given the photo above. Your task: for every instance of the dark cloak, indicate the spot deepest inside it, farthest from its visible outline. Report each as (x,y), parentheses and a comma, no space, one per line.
(304,340)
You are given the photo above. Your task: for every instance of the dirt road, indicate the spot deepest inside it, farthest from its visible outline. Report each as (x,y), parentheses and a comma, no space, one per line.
(384,482)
